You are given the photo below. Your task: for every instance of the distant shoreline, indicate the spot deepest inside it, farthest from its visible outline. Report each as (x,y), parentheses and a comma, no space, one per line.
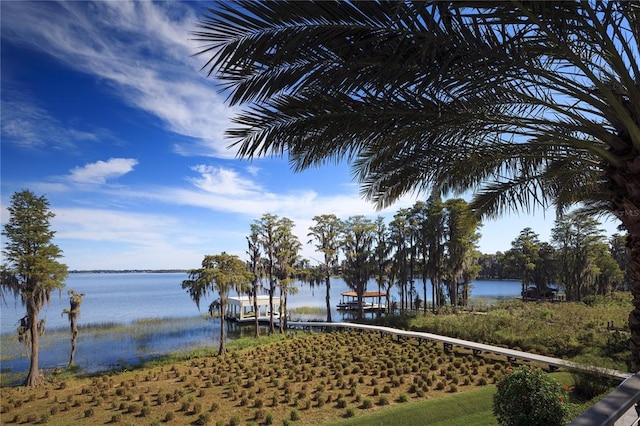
(129,271)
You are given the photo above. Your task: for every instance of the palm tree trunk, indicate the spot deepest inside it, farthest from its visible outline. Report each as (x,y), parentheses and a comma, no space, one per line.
(633,243)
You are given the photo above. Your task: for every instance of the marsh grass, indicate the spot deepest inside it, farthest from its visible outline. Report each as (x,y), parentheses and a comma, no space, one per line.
(564,330)
(308,310)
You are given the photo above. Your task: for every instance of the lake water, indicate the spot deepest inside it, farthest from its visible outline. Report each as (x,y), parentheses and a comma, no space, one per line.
(133,299)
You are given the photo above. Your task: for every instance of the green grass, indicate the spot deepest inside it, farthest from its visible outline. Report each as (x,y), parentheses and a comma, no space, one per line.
(308,310)
(473,407)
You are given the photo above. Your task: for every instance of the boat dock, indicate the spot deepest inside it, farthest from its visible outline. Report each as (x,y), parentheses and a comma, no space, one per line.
(240,309)
(349,301)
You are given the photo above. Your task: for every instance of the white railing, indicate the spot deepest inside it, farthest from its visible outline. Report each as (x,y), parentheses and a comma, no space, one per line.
(617,408)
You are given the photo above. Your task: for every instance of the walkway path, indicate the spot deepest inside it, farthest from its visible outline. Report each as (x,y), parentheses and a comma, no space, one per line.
(449,341)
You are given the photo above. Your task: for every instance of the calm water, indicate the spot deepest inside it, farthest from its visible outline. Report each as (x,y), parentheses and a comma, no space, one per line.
(129,298)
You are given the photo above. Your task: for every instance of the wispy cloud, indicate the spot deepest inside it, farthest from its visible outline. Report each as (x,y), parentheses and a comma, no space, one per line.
(229,191)
(27,125)
(141,49)
(100,171)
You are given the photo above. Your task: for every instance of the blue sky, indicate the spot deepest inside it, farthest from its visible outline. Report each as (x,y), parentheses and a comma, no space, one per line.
(105,112)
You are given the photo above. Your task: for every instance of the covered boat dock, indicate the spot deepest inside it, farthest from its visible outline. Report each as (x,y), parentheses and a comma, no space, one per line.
(371,301)
(240,309)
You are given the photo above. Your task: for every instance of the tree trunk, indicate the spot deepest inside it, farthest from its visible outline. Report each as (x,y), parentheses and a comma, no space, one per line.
(272,327)
(327,283)
(433,293)
(223,348)
(33,378)
(281,312)
(255,309)
(74,335)
(359,292)
(424,292)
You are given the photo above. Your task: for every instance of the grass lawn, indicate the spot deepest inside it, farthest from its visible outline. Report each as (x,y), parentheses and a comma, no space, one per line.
(474,407)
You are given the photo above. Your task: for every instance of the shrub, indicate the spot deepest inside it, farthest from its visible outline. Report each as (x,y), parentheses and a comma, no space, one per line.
(594,381)
(528,396)
(403,398)
(259,415)
(294,415)
(350,412)
(268,420)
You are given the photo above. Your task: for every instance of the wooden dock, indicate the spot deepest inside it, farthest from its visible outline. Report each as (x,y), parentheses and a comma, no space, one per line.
(449,342)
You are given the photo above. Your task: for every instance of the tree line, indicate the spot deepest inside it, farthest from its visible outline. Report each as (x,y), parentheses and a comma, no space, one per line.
(430,247)
(579,260)
(434,241)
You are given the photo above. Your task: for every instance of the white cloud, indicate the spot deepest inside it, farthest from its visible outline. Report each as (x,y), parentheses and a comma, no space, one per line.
(218,180)
(142,50)
(253,170)
(100,171)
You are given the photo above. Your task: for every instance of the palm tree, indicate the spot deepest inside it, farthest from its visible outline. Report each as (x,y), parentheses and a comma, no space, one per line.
(219,273)
(326,232)
(526,103)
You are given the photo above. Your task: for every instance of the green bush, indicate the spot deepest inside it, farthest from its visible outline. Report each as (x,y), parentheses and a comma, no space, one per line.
(594,381)
(529,397)
(203,419)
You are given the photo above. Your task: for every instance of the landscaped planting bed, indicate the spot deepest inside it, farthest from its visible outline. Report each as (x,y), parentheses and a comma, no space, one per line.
(312,378)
